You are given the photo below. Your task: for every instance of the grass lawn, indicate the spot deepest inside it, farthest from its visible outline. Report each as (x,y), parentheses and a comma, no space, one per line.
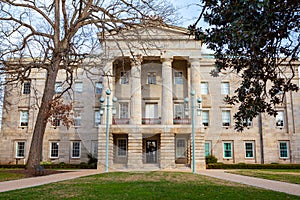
(148,185)
(6,175)
(285,175)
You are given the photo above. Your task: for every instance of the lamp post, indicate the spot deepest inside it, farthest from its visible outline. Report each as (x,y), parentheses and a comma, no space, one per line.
(107,106)
(199,100)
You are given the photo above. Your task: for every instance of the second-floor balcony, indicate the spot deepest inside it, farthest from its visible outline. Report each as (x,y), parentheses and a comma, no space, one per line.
(121,121)
(182,121)
(151,121)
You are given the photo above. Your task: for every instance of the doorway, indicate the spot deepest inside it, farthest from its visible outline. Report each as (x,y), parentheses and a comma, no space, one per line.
(151,151)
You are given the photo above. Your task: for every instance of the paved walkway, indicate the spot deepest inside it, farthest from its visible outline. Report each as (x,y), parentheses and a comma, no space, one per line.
(41,180)
(279,186)
(220,174)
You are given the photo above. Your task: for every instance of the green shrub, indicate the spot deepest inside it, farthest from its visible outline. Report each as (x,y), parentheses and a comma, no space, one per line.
(211,159)
(252,166)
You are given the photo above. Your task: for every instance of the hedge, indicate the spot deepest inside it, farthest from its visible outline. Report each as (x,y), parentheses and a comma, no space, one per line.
(56,166)
(252,166)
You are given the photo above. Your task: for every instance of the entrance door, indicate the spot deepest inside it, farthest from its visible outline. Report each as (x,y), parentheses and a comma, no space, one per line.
(151,151)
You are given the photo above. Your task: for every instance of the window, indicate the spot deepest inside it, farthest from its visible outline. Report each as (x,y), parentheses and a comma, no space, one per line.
(94,150)
(151,78)
(99,88)
(151,110)
(204,87)
(123,110)
(122,147)
(26,87)
(178,79)
(97,117)
(56,121)
(283,149)
(58,87)
(205,118)
(24,118)
(280,119)
(180,148)
(20,149)
(249,149)
(75,150)
(124,78)
(179,111)
(225,88)
(78,86)
(227,149)
(54,149)
(247,122)
(207,147)
(225,118)
(77,118)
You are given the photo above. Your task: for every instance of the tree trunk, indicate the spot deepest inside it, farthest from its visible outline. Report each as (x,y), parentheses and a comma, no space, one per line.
(35,153)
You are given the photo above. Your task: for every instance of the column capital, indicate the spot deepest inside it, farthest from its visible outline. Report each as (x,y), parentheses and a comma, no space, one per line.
(136,60)
(194,59)
(166,59)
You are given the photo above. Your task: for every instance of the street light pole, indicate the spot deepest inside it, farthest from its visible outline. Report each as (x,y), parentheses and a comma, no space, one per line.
(199,100)
(107,106)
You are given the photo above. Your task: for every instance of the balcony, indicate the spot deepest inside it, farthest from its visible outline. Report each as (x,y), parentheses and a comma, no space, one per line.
(151,121)
(182,121)
(120,121)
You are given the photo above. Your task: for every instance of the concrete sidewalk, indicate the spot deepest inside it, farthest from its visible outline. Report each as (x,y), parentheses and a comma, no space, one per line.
(279,186)
(41,180)
(288,188)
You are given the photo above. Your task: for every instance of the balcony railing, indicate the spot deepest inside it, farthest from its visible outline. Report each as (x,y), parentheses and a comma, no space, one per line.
(182,121)
(120,120)
(151,121)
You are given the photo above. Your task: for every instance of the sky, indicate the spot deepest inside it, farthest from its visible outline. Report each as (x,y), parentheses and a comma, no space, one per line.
(189,11)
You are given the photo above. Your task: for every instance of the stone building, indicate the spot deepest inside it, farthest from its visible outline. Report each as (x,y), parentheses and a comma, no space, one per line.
(150,124)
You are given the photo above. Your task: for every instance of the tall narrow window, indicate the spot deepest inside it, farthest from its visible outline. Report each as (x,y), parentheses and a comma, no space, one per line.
(151,110)
(26,87)
(283,149)
(124,79)
(77,118)
(151,78)
(249,149)
(178,111)
(78,86)
(123,110)
(24,118)
(94,149)
(122,147)
(75,150)
(20,149)
(180,148)
(207,148)
(227,149)
(204,87)
(54,149)
(225,118)
(225,88)
(178,78)
(280,119)
(58,87)
(205,118)
(56,120)
(97,117)
(99,88)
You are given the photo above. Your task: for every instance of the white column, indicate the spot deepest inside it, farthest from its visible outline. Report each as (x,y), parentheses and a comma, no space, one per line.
(167,92)
(136,93)
(196,85)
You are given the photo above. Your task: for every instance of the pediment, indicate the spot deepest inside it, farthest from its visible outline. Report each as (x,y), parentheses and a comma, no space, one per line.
(159,32)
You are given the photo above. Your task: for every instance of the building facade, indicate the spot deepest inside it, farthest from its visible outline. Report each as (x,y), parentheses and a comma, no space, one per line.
(157,80)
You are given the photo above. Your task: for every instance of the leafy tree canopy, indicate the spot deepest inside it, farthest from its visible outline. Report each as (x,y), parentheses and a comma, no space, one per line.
(259,40)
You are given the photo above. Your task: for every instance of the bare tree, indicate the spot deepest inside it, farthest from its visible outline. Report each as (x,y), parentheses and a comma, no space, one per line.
(57,35)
